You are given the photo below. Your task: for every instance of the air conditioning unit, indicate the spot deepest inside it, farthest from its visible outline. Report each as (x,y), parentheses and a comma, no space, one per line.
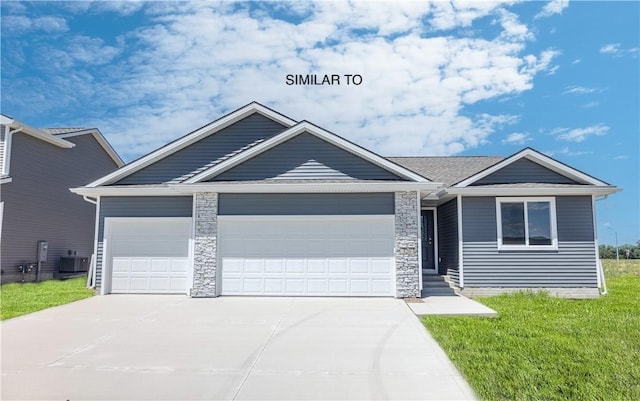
(74,264)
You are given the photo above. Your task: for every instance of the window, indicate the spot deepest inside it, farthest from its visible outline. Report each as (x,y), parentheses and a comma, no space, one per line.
(526,223)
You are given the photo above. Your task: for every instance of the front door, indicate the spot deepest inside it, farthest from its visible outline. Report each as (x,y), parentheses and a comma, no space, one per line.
(428,240)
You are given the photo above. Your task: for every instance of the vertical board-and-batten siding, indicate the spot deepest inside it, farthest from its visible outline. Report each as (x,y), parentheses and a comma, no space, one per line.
(39,206)
(524,170)
(448,239)
(138,206)
(228,140)
(306,157)
(572,265)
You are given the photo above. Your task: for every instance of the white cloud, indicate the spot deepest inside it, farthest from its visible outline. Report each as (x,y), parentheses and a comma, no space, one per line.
(621,157)
(579,90)
(553,7)
(615,50)
(579,134)
(194,61)
(18,24)
(517,138)
(567,152)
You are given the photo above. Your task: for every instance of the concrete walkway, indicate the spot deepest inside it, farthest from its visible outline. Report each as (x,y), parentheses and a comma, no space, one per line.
(163,347)
(454,305)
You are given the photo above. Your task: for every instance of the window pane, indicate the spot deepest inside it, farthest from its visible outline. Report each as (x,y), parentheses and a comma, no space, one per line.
(539,215)
(512,223)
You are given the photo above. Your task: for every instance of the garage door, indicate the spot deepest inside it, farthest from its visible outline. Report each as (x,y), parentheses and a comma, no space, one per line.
(307,255)
(148,255)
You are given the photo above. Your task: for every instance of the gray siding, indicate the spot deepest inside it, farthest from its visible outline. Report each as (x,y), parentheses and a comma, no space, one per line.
(448,237)
(524,170)
(572,265)
(306,157)
(2,147)
(306,204)
(228,140)
(138,206)
(39,206)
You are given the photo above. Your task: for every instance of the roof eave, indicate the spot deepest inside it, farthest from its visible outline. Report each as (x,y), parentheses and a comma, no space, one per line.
(492,191)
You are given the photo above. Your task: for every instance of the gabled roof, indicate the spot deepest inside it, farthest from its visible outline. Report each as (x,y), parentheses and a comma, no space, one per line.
(447,169)
(539,158)
(72,132)
(17,126)
(300,128)
(191,138)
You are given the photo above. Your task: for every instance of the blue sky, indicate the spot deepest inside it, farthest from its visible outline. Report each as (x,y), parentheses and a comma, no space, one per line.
(439,78)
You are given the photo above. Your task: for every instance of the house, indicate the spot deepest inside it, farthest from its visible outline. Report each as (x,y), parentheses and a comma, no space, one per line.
(37,168)
(256,203)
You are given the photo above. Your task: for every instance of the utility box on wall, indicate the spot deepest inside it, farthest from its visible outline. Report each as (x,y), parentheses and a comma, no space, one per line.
(43,247)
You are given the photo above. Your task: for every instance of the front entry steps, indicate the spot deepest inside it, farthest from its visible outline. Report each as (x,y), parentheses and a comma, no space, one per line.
(436,285)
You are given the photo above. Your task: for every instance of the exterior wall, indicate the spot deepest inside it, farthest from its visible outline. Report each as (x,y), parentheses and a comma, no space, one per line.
(137,206)
(306,157)
(573,265)
(228,140)
(39,206)
(205,245)
(448,239)
(408,276)
(524,170)
(306,204)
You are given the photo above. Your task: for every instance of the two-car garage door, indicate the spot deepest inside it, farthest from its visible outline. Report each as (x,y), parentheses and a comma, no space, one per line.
(307,255)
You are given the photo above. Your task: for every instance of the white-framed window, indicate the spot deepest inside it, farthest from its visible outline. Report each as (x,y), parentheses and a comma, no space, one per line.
(526,223)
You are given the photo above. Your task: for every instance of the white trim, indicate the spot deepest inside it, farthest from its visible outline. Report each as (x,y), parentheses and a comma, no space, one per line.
(106,251)
(460,243)
(602,285)
(191,138)
(280,217)
(6,180)
(540,159)
(100,139)
(17,126)
(192,247)
(511,191)
(6,157)
(300,128)
(183,189)
(95,244)
(526,246)
(436,262)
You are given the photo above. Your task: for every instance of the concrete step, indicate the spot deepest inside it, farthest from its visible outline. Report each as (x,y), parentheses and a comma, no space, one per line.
(426,292)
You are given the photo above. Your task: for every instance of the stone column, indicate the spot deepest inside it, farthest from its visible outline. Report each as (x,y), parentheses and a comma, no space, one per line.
(205,245)
(408,277)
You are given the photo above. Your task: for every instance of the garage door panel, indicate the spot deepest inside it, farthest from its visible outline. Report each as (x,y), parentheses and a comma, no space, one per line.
(307,256)
(149,255)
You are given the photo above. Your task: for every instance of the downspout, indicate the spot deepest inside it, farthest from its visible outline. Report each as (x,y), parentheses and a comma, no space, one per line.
(602,284)
(91,283)
(460,244)
(86,198)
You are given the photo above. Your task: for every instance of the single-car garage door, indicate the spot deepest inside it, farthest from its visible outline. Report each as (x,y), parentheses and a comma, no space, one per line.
(148,255)
(350,255)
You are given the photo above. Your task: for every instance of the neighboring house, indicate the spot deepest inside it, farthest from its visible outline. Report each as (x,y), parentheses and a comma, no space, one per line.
(256,203)
(38,166)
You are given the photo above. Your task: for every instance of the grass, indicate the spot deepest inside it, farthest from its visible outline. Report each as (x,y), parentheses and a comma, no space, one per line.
(545,348)
(18,299)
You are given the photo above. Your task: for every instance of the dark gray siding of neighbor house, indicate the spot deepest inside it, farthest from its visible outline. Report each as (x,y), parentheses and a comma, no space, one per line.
(138,206)
(572,265)
(39,206)
(306,204)
(524,170)
(228,140)
(448,238)
(306,157)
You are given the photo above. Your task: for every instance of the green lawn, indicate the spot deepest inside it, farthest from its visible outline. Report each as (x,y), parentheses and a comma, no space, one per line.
(19,299)
(544,348)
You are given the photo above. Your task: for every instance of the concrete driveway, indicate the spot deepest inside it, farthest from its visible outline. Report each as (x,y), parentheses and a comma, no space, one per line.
(172,347)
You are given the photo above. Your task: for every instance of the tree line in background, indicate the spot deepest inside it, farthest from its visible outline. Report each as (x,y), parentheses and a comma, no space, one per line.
(626,251)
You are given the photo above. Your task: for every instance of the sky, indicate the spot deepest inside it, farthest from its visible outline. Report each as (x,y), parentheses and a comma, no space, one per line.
(438,78)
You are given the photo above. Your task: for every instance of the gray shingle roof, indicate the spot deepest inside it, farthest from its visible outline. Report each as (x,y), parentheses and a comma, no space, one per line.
(447,169)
